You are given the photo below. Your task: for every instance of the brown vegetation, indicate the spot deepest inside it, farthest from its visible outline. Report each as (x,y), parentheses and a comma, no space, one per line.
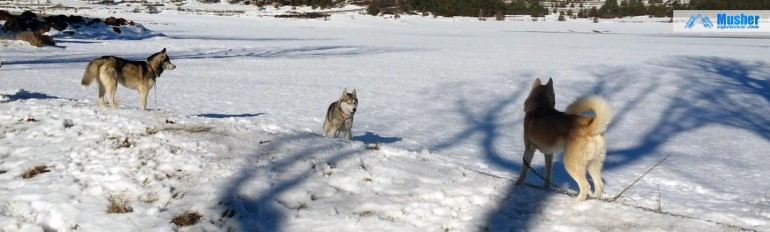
(187,218)
(34,172)
(118,204)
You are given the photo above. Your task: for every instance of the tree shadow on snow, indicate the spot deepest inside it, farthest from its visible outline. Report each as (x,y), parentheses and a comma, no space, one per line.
(57,59)
(246,39)
(230,115)
(80,58)
(715,91)
(286,53)
(260,53)
(246,209)
(521,204)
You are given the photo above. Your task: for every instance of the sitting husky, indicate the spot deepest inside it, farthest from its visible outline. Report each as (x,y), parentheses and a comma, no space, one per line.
(339,116)
(108,71)
(549,131)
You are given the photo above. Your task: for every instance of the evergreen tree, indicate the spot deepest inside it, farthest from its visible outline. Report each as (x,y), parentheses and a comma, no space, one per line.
(610,9)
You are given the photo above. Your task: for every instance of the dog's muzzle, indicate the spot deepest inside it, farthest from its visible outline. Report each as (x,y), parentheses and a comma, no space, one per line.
(169,66)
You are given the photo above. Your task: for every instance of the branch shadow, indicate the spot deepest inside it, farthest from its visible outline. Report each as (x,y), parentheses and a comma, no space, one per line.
(290,159)
(224,53)
(246,39)
(78,41)
(288,53)
(59,59)
(214,115)
(486,121)
(716,91)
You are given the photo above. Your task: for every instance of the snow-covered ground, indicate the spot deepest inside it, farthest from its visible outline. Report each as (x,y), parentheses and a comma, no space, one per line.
(234,131)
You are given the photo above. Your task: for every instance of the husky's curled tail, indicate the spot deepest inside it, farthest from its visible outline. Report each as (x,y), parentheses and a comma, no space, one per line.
(602,112)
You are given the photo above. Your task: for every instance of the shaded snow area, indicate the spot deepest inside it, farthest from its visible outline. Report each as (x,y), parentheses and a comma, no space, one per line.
(249,177)
(233,134)
(101,31)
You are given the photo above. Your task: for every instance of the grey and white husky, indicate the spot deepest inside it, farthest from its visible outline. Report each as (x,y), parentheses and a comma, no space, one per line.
(108,71)
(339,116)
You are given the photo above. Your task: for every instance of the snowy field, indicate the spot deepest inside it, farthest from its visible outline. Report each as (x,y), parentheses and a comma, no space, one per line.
(233,133)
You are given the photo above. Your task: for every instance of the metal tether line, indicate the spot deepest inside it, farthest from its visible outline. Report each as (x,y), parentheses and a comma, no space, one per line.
(156,93)
(555,188)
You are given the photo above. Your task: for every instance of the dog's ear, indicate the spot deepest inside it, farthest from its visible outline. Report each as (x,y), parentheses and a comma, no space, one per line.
(550,82)
(536,83)
(354,92)
(164,50)
(344,92)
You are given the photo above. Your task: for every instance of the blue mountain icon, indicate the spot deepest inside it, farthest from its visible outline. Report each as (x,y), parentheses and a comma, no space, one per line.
(703,20)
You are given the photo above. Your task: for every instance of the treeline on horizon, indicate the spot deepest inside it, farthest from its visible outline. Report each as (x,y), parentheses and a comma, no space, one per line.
(535,8)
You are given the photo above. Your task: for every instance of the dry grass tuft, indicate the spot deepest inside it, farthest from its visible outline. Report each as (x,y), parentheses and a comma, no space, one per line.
(34,172)
(118,204)
(188,218)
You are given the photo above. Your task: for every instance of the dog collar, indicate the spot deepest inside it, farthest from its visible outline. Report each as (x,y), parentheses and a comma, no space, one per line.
(152,70)
(342,115)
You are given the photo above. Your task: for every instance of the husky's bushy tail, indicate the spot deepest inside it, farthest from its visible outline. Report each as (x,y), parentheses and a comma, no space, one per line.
(92,71)
(601,108)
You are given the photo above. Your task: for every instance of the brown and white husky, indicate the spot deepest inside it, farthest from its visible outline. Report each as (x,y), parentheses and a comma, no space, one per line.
(581,138)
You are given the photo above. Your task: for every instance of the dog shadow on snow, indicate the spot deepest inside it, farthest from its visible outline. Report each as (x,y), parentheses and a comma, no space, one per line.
(25,95)
(706,97)
(372,138)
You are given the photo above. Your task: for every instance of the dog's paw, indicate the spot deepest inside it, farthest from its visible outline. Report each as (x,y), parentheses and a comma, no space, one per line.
(581,197)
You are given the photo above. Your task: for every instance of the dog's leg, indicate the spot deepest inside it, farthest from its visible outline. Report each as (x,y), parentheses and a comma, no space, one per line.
(143,98)
(348,127)
(108,78)
(111,90)
(595,170)
(102,90)
(331,132)
(529,152)
(548,170)
(577,170)
(595,167)
(326,127)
